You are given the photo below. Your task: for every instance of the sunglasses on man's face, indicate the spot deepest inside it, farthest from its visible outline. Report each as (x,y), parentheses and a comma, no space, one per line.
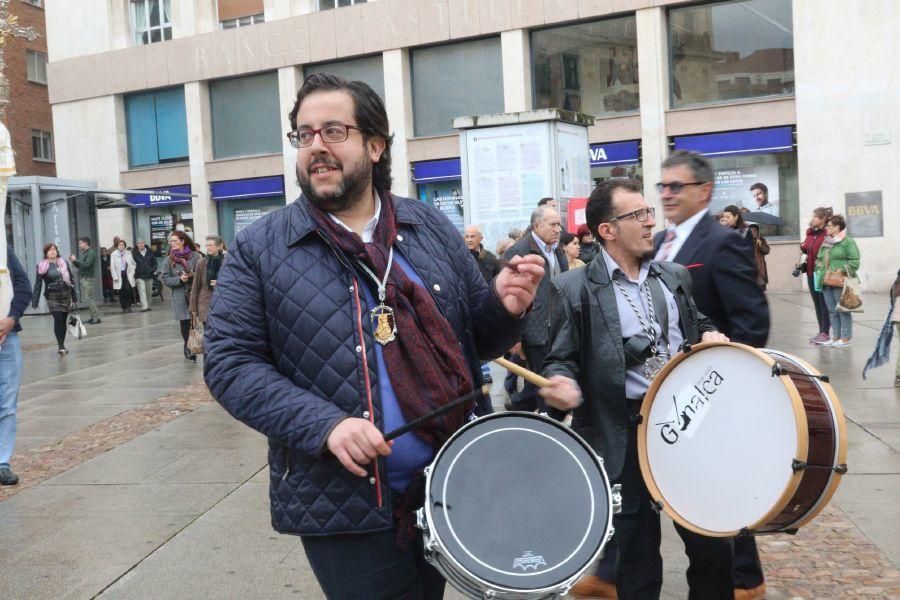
(676,186)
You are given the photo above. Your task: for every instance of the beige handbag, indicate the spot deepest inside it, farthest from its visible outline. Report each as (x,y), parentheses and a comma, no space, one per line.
(195,337)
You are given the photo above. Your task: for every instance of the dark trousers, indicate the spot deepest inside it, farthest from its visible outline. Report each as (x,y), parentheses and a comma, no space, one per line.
(372,566)
(748,571)
(638,535)
(819,303)
(125,297)
(528,399)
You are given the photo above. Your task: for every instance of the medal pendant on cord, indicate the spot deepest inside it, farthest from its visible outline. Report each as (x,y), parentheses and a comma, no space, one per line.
(653,365)
(383,324)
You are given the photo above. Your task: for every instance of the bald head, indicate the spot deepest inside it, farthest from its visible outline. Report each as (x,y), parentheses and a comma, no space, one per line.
(473,237)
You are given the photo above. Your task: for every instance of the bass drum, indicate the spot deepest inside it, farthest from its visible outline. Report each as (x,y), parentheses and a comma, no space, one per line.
(517,506)
(735,440)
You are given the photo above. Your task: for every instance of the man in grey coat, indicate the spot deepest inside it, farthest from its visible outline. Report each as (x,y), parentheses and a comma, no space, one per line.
(614,324)
(87,275)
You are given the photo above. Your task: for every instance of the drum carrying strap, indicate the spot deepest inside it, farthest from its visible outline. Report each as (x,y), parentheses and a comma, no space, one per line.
(659,304)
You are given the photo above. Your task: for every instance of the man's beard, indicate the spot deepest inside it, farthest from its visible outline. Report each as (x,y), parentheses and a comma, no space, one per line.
(353,183)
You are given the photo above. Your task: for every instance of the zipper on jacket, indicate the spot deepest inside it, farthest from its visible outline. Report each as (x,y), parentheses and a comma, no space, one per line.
(365,362)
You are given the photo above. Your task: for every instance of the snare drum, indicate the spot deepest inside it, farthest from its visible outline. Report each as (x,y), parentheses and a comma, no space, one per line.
(737,440)
(517,506)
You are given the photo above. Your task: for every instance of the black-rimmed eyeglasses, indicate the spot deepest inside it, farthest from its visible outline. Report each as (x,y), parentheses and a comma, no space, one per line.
(331,134)
(676,186)
(640,215)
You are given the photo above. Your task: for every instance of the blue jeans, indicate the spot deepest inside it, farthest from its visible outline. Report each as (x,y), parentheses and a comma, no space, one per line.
(10,377)
(841,322)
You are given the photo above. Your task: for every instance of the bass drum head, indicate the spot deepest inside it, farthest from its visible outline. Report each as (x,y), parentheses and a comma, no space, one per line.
(518,501)
(718,437)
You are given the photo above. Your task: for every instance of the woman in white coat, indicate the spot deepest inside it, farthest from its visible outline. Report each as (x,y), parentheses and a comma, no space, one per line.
(121,267)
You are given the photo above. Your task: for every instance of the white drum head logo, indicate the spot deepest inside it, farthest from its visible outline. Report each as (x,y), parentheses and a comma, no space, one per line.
(689,407)
(529,561)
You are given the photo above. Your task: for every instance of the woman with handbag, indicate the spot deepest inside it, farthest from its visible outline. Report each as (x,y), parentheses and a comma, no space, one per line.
(838,259)
(122,268)
(53,275)
(815,237)
(178,275)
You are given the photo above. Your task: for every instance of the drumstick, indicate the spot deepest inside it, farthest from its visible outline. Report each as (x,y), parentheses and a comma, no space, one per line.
(522,372)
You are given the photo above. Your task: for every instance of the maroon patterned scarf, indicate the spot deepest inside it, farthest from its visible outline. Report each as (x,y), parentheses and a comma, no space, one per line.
(425,362)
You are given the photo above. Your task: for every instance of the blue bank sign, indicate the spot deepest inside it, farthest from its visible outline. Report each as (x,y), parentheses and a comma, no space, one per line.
(161,196)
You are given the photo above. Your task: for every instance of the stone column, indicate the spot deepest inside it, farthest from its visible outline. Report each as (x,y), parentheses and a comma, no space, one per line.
(289,81)
(516,50)
(654,93)
(196,105)
(398,103)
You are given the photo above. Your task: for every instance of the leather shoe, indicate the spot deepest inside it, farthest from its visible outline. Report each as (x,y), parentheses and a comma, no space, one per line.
(756,593)
(7,477)
(592,586)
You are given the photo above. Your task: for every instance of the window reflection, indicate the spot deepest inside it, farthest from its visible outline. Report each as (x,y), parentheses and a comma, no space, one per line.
(731,50)
(589,67)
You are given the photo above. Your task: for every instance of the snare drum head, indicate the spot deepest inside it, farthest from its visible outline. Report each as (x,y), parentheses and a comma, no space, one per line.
(718,438)
(518,501)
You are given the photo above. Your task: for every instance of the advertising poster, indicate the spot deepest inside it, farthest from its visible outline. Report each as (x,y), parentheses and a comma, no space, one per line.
(244,217)
(507,175)
(732,186)
(446,196)
(865,216)
(160,227)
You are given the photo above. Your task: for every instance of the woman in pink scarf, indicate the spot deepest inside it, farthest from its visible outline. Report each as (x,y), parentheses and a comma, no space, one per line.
(53,275)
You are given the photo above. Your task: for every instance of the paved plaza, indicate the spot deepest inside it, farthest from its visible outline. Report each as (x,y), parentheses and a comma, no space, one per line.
(136,485)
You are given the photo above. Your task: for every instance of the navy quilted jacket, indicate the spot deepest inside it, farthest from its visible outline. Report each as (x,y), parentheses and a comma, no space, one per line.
(290,353)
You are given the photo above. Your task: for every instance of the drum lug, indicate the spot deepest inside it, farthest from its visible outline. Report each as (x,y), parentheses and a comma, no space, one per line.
(656,505)
(798,465)
(421,522)
(841,469)
(617,498)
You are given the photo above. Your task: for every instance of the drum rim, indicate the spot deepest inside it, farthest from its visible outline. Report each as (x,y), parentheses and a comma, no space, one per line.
(800,421)
(434,537)
(840,455)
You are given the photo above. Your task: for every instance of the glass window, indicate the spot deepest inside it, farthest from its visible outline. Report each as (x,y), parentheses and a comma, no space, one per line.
(329,4)
(589,67)
(41,145)
(151,21)
(157,127)
(38,3)
(37,66)
(369,70)
(246,115)
(243,21)
(731,50)
(455,81)
(237,214)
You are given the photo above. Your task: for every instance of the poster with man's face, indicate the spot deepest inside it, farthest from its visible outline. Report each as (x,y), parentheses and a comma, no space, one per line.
(733,187)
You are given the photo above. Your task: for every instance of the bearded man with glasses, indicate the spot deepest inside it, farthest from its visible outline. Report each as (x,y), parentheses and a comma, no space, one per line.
(345,315)
(724,277)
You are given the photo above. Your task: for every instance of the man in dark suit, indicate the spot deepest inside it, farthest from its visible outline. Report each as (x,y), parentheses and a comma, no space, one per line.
(725,288)
(612,321)
(542,240)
